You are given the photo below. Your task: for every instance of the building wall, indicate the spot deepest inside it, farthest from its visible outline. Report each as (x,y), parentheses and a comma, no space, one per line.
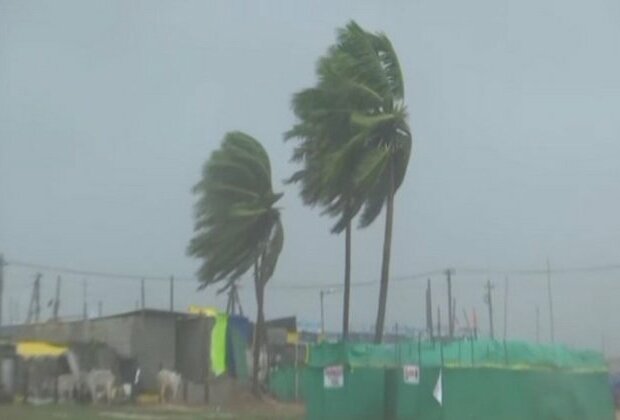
(193,342)
(115,332)
(153,343)
(147,336)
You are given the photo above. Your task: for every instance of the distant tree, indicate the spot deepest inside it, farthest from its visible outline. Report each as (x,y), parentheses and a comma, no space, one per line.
(237,226)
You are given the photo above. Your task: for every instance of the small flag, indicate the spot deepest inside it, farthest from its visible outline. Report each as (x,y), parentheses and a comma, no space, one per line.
(437,392)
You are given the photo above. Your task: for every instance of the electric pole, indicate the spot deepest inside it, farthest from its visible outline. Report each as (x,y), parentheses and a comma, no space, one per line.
(474,317)
(84,297)
(322,313)
(537,325)
(142,297)
(488,299)
(450,315)
(429,309)
(549,296)
(1,286)
(453,320)
(11,312)
(467,324)
(100,309)
(34,309)
(506,284)
(233,300)
(57,299)
(171,293)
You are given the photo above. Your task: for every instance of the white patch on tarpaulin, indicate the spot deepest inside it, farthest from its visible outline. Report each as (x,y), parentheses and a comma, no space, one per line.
(333,376)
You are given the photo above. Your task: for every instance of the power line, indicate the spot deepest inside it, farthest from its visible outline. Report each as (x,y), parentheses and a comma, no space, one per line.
(538,271)
(314,286)
(462,271)
(91,273)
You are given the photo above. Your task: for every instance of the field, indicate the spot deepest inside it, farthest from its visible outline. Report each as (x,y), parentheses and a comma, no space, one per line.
(266,411)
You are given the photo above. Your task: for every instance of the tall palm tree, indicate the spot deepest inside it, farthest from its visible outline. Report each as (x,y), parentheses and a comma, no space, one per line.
(361,93)
(323,127)
(237,227)
(367,68)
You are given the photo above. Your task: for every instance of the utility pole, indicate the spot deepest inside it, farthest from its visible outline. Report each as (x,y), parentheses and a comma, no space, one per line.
(537,325)
(142,297)
(429,309)
(439,322)
(34,309)
(1,286)
(57,299)
(233,300)
(11,312)
(322,313)
(323,293)
(450,315)
(238,299)
(488,299)
(85,297)
(467,323)
(453,315)
(37,298)
(100,308)
(506,284)
(171,293)
(474,316)
(230,304)
(16,314)
(549,296)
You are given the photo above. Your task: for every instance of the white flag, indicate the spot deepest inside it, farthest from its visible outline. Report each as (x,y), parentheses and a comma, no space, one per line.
(437,392)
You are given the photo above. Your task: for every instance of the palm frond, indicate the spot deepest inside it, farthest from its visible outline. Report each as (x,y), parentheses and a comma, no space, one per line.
(234,212)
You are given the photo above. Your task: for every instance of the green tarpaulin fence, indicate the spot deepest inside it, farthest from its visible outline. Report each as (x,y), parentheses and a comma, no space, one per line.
(468,353)
(480,380)
(289,383)
(493,393)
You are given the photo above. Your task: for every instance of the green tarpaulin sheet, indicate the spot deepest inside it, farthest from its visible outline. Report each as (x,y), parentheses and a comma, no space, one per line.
(481,380)
(479,353)
(218,345)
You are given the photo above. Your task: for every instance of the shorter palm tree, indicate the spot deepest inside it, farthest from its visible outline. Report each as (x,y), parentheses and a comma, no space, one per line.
(237,226)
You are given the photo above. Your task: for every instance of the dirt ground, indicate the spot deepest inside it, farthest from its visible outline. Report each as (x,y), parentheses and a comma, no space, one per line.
(242,410)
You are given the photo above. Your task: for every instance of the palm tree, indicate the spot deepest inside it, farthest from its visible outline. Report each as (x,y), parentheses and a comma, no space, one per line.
(322,129)
(361,93)
(237,227)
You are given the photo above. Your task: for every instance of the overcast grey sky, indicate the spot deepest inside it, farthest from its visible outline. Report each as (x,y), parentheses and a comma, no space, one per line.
(109,109)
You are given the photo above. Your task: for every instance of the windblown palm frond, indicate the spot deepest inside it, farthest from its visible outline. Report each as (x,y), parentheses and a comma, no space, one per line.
(235,213)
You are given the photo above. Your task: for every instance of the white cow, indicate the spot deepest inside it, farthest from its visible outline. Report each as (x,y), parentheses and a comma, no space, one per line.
(100,385)
(68,384)
(169,384)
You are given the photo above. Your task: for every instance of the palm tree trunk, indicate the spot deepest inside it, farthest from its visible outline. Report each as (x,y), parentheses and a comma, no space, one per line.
(347,282)
(385,265)
(259,328)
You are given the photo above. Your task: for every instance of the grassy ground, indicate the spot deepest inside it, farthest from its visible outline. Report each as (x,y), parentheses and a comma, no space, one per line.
(73,412)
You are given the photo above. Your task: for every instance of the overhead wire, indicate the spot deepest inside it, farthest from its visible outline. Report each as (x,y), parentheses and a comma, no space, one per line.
(464,271)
